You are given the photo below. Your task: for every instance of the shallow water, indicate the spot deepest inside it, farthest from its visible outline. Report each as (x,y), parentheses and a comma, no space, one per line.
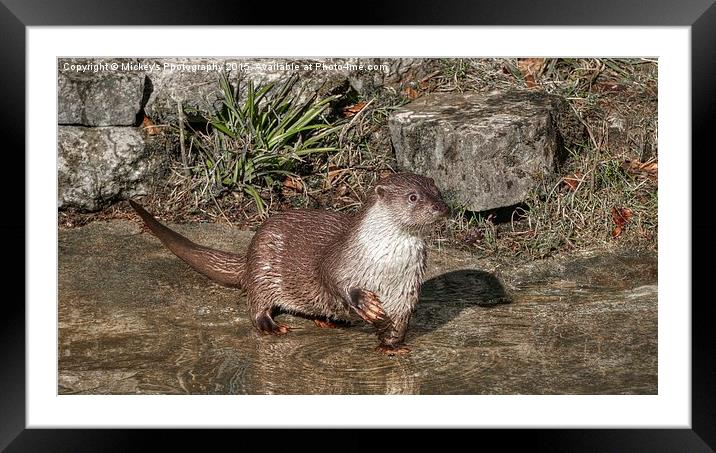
(135,319)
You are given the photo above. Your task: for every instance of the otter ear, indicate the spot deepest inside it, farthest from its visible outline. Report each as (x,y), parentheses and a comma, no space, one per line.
(380,191)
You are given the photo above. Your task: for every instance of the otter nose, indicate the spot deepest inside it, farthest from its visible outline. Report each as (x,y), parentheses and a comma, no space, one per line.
(441,208)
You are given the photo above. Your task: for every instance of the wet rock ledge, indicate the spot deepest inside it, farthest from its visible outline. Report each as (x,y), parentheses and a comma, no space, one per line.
(134,319)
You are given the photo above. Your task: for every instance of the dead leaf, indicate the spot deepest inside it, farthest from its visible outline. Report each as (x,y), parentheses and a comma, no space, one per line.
(616,232)
(626,214)
(293,184)
(530,81)
(352,110)
(334,175)
(410,92)
(531,65)
(531,68)
(149,126)
(650,168)
(573,181)
(620,217)
(473,236)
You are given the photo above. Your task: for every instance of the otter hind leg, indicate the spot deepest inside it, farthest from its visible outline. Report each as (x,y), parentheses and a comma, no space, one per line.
(366,304)
(265,323)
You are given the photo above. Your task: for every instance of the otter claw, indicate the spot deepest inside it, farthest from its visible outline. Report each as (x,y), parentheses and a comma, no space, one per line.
(266,325)
(277,329)
(368,316)
(367,305)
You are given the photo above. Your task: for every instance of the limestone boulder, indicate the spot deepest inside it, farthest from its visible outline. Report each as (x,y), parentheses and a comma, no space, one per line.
(102,98)
(114,91)
(485,151)
(195,81)
(99,165)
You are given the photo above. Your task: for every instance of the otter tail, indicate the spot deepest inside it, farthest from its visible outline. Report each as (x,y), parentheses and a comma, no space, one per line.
(222,267)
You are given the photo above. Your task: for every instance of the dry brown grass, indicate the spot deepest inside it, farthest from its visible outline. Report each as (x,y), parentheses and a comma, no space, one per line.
(610,136)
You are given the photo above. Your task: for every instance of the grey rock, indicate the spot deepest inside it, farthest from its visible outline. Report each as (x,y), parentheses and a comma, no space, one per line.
(194,81)
(176,81)
(99,99)
(98,165)
(484,151)
(366,82)
(112,91)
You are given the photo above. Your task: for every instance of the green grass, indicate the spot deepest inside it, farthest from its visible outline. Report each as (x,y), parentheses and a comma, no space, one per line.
(263,135)
(554,217)
(254,144)
(567,219)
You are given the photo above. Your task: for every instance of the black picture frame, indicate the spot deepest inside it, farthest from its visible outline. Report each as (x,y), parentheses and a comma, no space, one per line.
(16,15)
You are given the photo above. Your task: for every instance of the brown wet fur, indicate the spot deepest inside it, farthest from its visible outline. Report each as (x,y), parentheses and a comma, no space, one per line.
(222,267)
(308,262)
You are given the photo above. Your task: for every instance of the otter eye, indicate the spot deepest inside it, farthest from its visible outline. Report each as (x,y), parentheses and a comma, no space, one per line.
(413,197)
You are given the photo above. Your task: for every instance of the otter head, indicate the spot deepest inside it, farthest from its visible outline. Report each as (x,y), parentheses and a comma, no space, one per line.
(413,200)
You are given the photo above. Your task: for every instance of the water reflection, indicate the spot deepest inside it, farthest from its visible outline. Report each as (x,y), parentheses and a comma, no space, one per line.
(578,324)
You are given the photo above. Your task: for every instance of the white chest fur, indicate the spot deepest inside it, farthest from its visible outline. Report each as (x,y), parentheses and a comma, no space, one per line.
(390,261)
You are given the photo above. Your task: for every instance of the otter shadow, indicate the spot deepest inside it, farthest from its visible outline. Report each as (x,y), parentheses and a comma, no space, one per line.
(444,297)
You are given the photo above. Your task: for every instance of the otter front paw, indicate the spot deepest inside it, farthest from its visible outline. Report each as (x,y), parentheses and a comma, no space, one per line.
(367,305)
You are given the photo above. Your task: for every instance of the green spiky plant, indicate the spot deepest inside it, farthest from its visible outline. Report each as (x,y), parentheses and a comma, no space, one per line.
(257,143)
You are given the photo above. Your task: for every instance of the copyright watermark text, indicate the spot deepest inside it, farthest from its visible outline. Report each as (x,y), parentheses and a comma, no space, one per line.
(113,66)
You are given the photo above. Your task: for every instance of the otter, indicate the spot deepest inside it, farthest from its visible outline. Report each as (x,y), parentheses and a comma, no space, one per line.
(329,266)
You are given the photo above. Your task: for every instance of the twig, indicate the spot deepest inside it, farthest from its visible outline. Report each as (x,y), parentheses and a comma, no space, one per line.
(430,76)
(353,120)
(220,210)
(584,123)
(185,165)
